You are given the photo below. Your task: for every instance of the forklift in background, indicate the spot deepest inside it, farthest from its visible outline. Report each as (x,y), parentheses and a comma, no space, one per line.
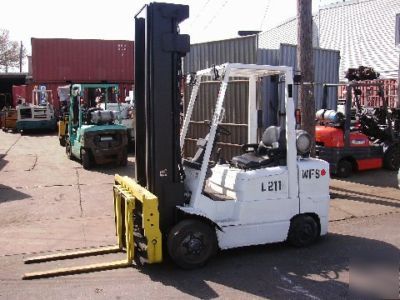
(93,138)
(189,208)
(37,115)
(62,124)
(356,138)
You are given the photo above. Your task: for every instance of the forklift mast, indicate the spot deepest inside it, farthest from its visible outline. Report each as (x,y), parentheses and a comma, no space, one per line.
(159,49)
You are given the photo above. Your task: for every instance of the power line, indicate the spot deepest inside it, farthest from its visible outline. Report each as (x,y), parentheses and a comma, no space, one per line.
(199,13)
(215,15)
(265,14)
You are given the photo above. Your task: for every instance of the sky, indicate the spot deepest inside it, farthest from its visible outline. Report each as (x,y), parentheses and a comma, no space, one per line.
(209,19)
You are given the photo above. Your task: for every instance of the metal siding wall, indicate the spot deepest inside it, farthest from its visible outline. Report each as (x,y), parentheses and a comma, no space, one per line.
(269,88)
(201,56)
(204,55)
(326,70)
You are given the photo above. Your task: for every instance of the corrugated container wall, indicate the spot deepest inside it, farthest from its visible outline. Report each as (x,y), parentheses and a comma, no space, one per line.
(61,60)
(204,55)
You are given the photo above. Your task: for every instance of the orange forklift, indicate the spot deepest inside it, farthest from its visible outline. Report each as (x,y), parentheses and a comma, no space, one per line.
(357,138)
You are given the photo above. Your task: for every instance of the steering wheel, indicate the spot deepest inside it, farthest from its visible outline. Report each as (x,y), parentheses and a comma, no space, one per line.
(220,129)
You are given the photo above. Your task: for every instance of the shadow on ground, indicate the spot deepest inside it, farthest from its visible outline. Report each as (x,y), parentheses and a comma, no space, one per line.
(112,169)
(364,197)
(379,178)
(278,271)
(3,162)
(37,133)
(9,194)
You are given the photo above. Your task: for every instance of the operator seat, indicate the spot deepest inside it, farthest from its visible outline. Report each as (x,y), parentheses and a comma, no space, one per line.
(271,151)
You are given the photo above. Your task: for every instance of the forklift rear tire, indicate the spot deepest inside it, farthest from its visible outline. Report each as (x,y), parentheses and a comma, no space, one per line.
(68,149)
(62,141)
(86,161)
(191,243)
(303,231)
(344,169)
(391,160)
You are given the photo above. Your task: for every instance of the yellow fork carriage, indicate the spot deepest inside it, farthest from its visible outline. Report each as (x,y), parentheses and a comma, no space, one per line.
(137,230)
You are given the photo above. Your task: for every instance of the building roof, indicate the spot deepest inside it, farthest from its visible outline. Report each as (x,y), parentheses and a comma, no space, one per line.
(362,30)
(13,75)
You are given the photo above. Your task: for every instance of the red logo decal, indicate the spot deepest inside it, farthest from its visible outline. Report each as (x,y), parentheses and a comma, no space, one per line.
(323,172)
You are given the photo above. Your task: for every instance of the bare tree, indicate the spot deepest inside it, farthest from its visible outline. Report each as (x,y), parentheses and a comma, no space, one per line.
(11,54)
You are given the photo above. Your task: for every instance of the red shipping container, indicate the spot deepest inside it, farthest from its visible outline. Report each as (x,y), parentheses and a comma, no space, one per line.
(84,61)
(369,94)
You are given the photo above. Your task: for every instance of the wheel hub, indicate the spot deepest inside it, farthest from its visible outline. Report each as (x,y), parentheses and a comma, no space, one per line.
(306,232)
(194,245)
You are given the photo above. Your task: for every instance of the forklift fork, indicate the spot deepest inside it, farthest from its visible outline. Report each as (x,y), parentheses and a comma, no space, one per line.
(137,230)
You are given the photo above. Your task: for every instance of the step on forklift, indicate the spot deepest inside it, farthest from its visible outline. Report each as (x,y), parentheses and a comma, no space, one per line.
(355,138)
(93,138)
(188,208)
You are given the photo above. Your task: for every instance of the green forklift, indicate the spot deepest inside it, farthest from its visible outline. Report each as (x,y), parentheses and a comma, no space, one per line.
(93,137)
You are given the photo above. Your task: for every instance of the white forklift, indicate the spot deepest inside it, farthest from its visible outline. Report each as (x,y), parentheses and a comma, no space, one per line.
(38,115)
(271,193)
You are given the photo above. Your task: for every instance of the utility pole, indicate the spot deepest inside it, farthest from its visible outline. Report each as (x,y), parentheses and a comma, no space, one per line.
(306,102)
(397,42)
(21,51)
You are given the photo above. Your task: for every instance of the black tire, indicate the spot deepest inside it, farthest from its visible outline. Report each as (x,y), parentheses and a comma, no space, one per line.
(62,141)
(191,243)
(344,168)
(124,158)
(86,159)
(391,159)
(68,149)
(303,231)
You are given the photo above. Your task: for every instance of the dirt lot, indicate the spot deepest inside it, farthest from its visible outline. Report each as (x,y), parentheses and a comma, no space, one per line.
(49,203)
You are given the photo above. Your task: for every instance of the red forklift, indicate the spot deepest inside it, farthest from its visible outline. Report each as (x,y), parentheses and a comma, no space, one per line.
(357,138)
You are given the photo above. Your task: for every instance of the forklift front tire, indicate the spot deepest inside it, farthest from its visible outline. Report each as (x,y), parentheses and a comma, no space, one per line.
(85,157)
(124,158)
(191,243)
(303,231)
(68,149)
(391,160)
(62,141)
(344,168)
